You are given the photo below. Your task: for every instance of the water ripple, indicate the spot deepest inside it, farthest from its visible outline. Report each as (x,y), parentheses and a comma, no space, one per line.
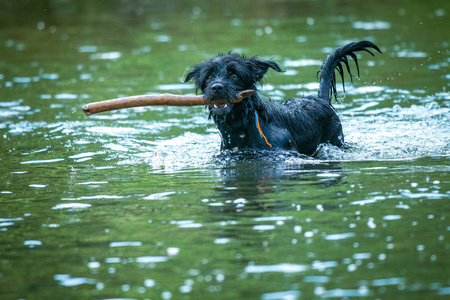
(374,25)
(283,268)
(285,295)
(72,206)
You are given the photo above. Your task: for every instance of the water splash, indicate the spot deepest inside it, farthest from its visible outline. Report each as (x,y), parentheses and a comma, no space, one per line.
(185,151)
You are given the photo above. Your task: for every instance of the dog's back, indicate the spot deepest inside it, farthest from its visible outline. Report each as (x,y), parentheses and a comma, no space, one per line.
(311,121)
(308,122)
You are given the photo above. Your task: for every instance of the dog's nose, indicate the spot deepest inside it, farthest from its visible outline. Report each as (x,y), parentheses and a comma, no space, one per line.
(217,87)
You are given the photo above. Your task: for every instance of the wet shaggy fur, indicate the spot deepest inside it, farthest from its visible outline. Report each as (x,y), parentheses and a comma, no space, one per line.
(299,124)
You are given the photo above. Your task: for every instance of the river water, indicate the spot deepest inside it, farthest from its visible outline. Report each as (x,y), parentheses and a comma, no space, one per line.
(141,204)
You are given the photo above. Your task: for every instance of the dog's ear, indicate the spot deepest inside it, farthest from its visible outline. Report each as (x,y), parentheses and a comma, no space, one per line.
(260,67)
(192,74)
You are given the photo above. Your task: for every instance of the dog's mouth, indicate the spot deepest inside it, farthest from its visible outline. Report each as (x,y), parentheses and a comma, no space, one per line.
(220,106)
(220,109)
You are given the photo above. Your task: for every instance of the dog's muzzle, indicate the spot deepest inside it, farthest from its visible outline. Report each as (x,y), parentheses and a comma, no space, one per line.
(216,91)
(219,90)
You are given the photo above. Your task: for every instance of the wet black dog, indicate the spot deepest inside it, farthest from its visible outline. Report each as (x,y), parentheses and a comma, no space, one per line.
(300,124)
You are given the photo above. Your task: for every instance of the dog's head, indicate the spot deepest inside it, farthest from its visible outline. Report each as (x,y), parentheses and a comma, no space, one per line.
(223,76)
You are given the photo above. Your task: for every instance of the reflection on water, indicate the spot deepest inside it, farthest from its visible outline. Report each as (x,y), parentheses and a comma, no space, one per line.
(140,203)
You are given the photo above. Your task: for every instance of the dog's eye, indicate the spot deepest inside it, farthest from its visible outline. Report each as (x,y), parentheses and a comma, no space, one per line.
(234,76)
(210,77)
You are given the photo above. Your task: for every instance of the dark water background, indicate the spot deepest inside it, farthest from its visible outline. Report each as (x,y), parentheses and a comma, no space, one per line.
(140,204)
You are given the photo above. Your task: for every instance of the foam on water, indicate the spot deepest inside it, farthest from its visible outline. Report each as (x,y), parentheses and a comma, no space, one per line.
(185,151)
(398,133)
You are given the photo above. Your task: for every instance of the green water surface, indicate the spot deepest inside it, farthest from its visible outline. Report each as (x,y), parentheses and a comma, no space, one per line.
(140,204)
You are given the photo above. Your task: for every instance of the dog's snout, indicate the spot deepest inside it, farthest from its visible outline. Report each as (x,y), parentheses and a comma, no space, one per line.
(217,87)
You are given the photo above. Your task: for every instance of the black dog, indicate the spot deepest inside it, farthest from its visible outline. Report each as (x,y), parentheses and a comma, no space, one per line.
(300,124)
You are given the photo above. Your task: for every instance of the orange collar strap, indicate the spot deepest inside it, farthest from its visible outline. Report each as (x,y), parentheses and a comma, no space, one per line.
(260,131)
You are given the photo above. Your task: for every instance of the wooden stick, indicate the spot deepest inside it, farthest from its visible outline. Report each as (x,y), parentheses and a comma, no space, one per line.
(162,99)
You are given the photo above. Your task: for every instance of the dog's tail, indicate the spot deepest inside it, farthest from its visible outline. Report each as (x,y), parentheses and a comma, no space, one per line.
(327,87)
